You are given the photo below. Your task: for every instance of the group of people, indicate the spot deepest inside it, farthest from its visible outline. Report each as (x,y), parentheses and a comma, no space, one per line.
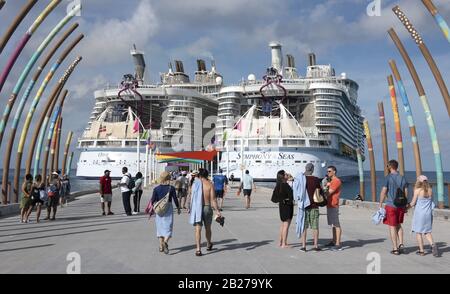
(39,193)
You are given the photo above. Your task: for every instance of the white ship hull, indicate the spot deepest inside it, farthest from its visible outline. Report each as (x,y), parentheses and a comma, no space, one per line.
(263,166)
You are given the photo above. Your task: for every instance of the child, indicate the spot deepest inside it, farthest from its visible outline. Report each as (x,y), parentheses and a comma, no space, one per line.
(423,214)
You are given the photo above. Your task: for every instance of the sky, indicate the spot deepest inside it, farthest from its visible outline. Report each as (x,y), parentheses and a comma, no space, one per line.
(236,33)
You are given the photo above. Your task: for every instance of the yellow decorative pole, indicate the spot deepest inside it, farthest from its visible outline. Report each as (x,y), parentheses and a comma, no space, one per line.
(384,137)
(373,175)
(398,128)
(66,153)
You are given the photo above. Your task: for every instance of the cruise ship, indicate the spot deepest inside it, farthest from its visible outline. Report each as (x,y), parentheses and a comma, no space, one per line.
(169,116)
(284,121)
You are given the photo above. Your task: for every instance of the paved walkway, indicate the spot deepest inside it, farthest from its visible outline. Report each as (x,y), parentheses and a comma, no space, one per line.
(121,244)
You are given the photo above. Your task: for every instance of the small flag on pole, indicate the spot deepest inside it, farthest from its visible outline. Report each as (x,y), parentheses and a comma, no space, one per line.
(136,126)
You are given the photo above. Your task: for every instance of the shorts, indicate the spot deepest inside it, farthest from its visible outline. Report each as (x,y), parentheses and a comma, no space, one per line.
(207,216)
(394,216)
(333,217)
(53,201)
(181,193)
(106,198)
(312,219)
(25,203)
(248,192)
(36,201)
(219,194)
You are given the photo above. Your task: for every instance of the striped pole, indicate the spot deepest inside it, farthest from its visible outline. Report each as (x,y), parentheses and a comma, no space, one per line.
(66,153)
(429,116)
(17,21)
(29,67)
(33,107)
(361,174)
(69,164)
(373,175)
(384,137)
(409,115)
(438,18)
(426,54)
(13,58)
(398,128)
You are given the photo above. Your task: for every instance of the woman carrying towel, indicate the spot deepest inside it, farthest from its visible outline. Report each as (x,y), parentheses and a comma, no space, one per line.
(164,224)
(283,195)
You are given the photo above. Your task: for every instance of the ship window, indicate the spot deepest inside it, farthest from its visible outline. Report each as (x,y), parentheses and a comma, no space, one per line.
(304,161)
(269,161)
(298,161)
(258,161)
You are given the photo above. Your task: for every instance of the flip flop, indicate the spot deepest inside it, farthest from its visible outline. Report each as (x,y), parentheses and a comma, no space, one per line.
(395,252)
(210,247)
(198,253)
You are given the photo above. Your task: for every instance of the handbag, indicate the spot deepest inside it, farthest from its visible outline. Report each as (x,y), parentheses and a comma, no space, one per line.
(319,199)
(162,205)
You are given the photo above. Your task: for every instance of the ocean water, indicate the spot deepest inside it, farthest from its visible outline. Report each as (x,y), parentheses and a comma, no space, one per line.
(350,188)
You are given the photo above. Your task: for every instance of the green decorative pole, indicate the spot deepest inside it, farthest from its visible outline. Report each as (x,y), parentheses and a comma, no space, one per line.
(66,153)
(426,54)
(54,151)
(409,115)
(19,18)
(69,165)
(429,116)
(361,174)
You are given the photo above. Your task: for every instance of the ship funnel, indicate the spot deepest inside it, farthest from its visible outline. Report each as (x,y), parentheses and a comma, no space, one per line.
(179,66)
(277,56)
(312,59)
(201,65)
(290,61)
(139,63)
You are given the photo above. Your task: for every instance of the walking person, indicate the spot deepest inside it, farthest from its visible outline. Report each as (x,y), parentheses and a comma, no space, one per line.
(36,199)
(106,192)
(203,198)
(247,184)
(54,188)
(395,184)
(312,211)
(284,196)
(25,202)
(137,192)
(193,176)
(422,223)
(182,185)
(164,223)
(65,190)
(333,186)
(220,187)
(125,188)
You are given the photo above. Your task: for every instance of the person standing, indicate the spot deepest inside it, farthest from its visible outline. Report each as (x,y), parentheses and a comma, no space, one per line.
(247,184)
(394,184)
(164,223)
(36,200)
(54,188)
(124,185)
(220,187)
(25,202)
(422,223)
(312,211)
(106,192)
(65,190)
(333,186)
(284,196)
(202,200)
(137,192)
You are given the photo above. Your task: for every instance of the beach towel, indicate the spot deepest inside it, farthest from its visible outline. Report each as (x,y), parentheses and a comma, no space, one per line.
(379,216)
(196,202)
(302,199)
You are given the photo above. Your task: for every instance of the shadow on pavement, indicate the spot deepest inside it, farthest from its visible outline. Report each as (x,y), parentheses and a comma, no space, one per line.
(50,236)
(24,248)
(193,247)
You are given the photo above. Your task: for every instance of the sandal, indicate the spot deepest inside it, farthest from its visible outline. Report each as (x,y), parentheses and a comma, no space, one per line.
(166,248)
(421,253)
(198,253)
(401,248)
(209,247)
(395,252)
(161,249)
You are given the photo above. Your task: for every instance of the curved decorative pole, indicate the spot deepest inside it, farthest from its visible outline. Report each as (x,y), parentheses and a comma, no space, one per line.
(426,54)
(429,116)
(58,146)
(398,128)
(66,153)
(29,117)
(384,137)
(19,18)
(54,151)
(373,175)
(69,164)
(29,67)
(362,192)
(409,115)
(13,58)
(439,19)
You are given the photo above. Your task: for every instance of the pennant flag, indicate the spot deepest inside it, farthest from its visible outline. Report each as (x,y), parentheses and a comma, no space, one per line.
(225,136)
(238,126)
(102,129)
(136,126)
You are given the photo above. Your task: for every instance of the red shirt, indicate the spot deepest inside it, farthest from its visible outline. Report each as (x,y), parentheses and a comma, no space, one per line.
(333,199)
(105,183)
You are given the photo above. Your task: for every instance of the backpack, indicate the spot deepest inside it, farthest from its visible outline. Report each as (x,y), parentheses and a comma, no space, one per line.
(131,183)
(400,200)
(35,194)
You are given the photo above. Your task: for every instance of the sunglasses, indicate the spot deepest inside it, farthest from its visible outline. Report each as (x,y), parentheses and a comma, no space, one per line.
(330,171)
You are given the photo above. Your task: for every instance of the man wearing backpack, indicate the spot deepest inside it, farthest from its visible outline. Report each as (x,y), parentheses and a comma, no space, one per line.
(126,184)
(395,192)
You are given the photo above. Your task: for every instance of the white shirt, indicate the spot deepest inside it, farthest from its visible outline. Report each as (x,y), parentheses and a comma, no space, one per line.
(125,180)
(248,182)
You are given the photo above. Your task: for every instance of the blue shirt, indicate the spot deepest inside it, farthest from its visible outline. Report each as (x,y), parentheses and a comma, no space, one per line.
(161,191)
(219,182)
(392,182)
